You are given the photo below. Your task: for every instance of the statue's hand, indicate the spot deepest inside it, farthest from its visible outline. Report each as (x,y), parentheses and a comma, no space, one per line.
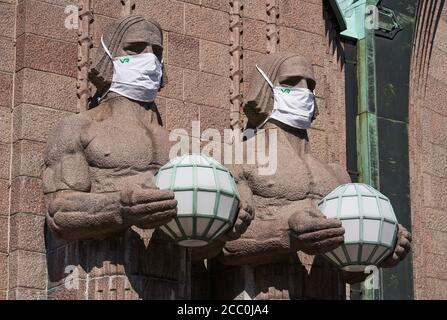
(147,207)
(244,218)
(311,232)
(402,248)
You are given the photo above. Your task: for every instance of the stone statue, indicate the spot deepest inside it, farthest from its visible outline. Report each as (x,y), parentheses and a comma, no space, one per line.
(99,164)
(287,219)
(99,169)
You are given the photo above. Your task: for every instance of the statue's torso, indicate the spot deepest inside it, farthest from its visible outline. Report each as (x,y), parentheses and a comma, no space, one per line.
(299,177)
(123,148)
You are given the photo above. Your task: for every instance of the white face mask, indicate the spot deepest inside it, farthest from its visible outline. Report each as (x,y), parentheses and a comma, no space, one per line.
(136,77)
(293,106)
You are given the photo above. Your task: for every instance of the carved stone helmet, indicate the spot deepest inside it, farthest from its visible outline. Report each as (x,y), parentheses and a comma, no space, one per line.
(116,35)
(278,67)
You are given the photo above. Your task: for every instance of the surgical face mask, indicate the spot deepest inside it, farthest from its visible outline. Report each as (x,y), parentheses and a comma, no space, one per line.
(292,106)
(136,77)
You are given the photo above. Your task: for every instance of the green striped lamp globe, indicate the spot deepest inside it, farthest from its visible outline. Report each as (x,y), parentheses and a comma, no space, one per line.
(370,225)
(207,198)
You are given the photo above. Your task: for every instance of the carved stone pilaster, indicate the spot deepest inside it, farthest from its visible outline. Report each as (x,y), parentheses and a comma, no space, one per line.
(85,44)
(236,63)
(272,26)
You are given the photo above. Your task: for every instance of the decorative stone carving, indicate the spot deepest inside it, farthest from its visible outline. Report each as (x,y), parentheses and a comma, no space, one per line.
(85,44)
(272,26)
(236,63)
(97,179)
(287,218)
(99,164)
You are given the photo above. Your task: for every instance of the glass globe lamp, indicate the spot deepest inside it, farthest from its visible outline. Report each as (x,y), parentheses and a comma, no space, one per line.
(370,225)
(207,198)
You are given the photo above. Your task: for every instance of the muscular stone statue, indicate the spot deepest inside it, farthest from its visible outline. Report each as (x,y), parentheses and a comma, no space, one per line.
(99,164)
(287,218)
(99,169)
(98,187)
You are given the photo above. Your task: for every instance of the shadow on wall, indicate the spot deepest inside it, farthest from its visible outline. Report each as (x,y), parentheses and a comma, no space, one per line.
(332,33)
(428,16)
(280,280)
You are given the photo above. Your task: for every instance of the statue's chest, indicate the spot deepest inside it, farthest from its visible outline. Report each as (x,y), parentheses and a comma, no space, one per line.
(296,178)
(110,144)
(291,179)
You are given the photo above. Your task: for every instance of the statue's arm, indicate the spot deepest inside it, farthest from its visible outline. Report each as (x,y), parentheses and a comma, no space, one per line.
(73,211)
(301,227)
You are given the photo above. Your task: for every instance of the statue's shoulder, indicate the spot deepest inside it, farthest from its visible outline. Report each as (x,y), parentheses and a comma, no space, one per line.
(65,137)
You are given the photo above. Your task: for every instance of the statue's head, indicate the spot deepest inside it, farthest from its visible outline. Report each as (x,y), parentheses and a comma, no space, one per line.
(130,35)
(285,70)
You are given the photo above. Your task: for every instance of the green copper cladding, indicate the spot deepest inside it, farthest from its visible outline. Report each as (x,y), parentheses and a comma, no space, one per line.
(368,152)
(383,31)
(351,16)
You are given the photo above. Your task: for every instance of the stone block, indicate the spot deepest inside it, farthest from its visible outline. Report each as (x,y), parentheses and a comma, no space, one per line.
(7,54)
(255,35)
(109,8)
(168,13)
(183,51)
(5,159)
(27,232)
(216,4)
(27,196)
(435,160)
(45,54)
(45,19)
(214,118)
(4,198)
(5,125)
(255,9)
(27,294)
(6,83)
(207,89)
(7,17)
(3,272)
(27,269)
(46,89)
(174,86)
(101,23)
(34,122)
(304,43)
(302,15)
(214,58)
(3,237)
(207,24)
(180,115)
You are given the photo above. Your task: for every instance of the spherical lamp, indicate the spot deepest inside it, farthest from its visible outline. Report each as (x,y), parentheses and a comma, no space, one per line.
(370,225)
(207,197)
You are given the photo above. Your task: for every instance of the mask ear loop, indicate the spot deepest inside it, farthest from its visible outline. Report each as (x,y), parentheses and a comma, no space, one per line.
(105,48)
(264,75)
(111,58)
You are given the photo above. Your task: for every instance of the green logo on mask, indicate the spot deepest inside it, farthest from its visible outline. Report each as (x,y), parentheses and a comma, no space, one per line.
(285,91)
(124,60)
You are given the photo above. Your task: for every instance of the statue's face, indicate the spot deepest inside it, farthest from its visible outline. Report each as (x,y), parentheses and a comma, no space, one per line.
(141,37)
(294,73)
